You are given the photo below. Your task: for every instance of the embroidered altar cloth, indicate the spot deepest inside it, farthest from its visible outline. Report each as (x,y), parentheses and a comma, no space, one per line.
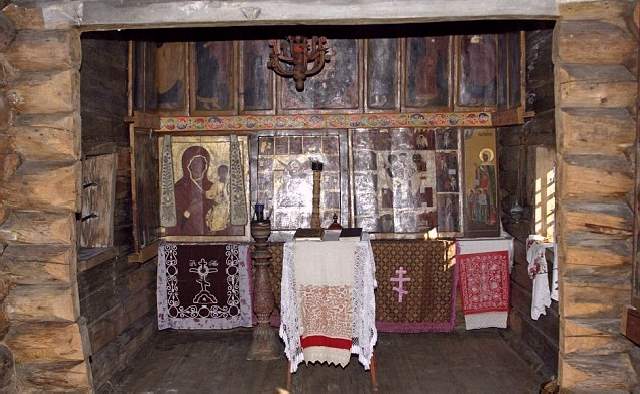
(416,285)
(483,267)
(328,302)
(203,286)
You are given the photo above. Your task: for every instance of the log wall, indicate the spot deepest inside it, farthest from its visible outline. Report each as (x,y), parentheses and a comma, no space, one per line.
(517,175)
(117,298)
(41,330)
(595,56)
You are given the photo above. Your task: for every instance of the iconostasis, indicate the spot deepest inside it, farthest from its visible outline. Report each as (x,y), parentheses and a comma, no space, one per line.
(405,127)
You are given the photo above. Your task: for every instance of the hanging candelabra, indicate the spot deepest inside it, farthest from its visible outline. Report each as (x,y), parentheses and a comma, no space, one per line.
(292,60)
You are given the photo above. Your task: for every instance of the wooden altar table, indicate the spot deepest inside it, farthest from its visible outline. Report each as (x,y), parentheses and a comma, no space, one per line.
(328,302)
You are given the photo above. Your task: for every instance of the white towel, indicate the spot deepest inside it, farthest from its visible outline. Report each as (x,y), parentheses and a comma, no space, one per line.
(539,273)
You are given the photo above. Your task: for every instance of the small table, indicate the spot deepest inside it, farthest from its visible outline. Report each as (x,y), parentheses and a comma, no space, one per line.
(328,303)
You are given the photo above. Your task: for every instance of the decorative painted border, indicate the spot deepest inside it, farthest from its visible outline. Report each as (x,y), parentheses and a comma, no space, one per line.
(325,121)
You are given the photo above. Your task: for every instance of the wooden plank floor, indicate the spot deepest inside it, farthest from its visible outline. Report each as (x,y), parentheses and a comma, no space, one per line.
(214,362)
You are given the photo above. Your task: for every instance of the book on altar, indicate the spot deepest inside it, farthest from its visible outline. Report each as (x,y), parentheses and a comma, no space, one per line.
(351,232)
(331,235)
(308,234)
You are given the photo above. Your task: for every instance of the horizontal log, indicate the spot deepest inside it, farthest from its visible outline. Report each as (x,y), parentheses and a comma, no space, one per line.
(44,186)
(593,302)
(582,215)
(142,278)
(56,254)
(64,121)
(41,303)
(53,377)
(45,50)
(98,302)
(612,373)
(575,327)
(592,176)
(31,265)
(45,342)
(118,353)
(141,304)
(54,137)
(595,345)
(592,42)
(593,73)
(596,130)
(610,277)
(597,95)
(107,328)
(46,92)
(595,10)
(597,255)
(38,228)
(89,258)
(584,248)
(96,277)
(45,143)
(25,18)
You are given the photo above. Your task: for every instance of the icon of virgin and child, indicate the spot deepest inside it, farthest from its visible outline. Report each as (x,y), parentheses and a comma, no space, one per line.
(202,204)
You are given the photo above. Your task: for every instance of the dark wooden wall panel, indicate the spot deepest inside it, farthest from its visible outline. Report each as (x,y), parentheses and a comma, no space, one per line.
(517,176)
(116,297)
(103,93)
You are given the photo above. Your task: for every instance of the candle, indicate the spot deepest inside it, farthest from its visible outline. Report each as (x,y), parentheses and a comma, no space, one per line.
(259,211)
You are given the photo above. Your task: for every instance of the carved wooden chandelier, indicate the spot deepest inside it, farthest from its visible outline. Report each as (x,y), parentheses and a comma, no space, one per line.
(291,61)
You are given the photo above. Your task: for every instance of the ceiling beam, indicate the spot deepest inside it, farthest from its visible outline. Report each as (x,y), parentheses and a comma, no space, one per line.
(111,14)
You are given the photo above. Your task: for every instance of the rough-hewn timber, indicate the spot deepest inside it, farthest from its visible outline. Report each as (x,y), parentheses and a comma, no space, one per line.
(595,54)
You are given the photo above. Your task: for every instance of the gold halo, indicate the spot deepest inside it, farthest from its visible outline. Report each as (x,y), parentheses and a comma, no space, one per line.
(489,151)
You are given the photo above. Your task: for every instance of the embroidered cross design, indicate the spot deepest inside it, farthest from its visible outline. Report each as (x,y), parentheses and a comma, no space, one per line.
(203,269)
(400,279)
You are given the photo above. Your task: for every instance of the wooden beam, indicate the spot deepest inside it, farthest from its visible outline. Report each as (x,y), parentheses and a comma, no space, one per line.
(92,257)
(51,92)
(43,186)
(45,50)
(146,254)
(144,120)
(110,13)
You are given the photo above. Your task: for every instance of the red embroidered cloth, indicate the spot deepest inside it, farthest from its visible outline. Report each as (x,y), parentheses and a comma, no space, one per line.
(484,282)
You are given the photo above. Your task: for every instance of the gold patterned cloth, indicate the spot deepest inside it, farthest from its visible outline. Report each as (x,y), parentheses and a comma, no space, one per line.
(416,285)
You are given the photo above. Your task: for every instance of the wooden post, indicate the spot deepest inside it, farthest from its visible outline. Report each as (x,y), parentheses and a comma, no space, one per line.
(316,167)
(595,57)
(265,345)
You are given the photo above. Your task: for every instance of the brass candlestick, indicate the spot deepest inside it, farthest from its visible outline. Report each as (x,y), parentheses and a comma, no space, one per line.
(316,167)
(265,344)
